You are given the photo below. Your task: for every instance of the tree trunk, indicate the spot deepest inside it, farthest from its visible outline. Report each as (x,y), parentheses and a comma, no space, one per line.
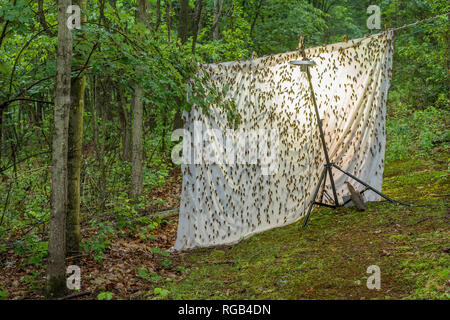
(138,110)
(158,14)
(182,35)
(2,111)
(102,17)
(105,94)
(183,21)
(136,155)
(148,14)
(5,134)
(56,280)
(196,24)
(218,8)
(75,145)
(98,108)
(258,9)
(41,15)
(125,121)
(168,5)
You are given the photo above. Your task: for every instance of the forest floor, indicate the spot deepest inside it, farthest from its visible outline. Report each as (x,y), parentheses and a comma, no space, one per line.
(326,260)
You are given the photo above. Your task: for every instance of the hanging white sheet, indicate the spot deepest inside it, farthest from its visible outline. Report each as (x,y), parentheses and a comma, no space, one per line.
(231,191)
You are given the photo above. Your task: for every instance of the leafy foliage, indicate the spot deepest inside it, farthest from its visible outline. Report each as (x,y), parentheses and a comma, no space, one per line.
(105,295)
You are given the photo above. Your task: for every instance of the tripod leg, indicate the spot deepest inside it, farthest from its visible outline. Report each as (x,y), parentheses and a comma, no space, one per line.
(364,184)
(324,184)
(336,201)
(314,197)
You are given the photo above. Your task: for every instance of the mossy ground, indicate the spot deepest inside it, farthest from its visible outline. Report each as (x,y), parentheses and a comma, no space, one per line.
(328,259)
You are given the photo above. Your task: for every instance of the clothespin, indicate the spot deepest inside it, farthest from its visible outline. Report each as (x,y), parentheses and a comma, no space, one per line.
(300,48)
(385,27)
(345,38)
(254,56)
(300,42)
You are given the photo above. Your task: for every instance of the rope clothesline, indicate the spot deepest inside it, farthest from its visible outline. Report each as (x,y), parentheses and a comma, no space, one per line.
(411,25)
(419,21)
(423,29)
(414,24)
(399,28)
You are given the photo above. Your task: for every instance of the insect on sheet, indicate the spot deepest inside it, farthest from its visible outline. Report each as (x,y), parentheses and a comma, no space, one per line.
(247,176)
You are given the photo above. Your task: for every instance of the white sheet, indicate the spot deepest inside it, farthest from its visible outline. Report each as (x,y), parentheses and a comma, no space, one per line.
(223,203)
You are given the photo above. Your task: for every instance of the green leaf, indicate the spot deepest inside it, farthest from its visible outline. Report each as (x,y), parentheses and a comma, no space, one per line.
(143,273)
(165,254)
(105,296)
(155,277)
(3,295)
(156,250)
(162,292)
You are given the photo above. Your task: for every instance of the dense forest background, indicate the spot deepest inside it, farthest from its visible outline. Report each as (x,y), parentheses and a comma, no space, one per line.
(131,63)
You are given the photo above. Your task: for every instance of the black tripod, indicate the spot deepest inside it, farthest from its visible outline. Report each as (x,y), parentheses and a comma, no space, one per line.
(305,64)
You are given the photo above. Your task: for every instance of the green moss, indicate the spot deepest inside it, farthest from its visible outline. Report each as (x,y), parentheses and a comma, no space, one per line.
(328,259)
(216,255)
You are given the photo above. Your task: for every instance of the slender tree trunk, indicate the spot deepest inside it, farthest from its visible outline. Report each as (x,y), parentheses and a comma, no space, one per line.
(158,14)
(99,105)
(164,131)
(102,17)
(94,112)
(2,111)
(215,26)
(196,24)
(56,271)
(75,145)
(201,19)
(136,155)
(148,14)
(258,9)
(41,15)
(168,5)
(182,35)
(125,120)
(183,21)
(98,141)
(218,8)
(19,124)
(6,133)
(138,111)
